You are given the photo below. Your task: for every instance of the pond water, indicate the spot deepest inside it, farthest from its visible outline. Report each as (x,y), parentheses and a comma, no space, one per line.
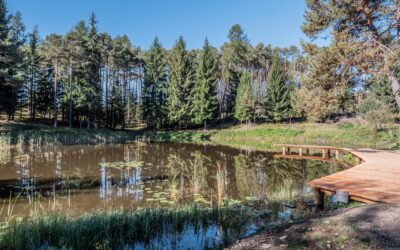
(83,179)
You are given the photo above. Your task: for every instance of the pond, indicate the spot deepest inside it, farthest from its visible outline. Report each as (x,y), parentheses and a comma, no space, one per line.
(82,179)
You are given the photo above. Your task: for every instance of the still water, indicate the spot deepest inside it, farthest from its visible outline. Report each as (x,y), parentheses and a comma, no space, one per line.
(83,179)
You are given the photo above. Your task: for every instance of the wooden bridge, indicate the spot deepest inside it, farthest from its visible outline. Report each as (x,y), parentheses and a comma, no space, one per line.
(375,179)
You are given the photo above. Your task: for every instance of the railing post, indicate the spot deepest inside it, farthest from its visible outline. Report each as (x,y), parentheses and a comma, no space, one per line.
(319,198)
(323,153)
(337,154)
(284,150)
(300,151)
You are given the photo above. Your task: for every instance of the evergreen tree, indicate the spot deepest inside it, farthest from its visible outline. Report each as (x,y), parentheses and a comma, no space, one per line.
(244,109)
(74,61)
(51,52)
(235,55)
(381,91)
(124,60)
(205,100)
(10,60)
(180,84)
(44,92)
(33,69)
(93,62)
(364,37)
(278,103)
(116,106)
(154,87)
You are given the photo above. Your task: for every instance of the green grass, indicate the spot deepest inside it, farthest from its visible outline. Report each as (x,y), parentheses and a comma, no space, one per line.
(112,230)
(263,137)
(34,135)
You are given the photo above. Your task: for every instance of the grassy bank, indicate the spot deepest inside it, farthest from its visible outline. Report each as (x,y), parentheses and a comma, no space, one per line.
(263,137)
(36,135)
(113,230)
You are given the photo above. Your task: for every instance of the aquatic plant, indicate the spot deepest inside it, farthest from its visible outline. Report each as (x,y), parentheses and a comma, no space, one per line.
(114,229)
(121,164)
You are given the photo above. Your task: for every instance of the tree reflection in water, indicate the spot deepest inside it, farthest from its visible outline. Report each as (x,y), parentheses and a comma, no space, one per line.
(82,179)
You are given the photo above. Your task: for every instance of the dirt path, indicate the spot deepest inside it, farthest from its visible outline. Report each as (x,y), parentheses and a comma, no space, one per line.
(365,227)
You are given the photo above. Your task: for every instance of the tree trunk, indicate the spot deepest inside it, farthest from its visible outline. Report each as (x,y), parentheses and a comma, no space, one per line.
(55,95)
(88,119)
(107,83)
(31,97)
(395,88)
(70,97)
(62,115)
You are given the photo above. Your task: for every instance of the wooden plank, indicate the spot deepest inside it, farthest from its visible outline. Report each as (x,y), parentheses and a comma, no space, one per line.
(376,179)
(307,146)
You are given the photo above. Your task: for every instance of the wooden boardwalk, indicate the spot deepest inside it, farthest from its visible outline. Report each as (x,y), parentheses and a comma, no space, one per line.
(375,179)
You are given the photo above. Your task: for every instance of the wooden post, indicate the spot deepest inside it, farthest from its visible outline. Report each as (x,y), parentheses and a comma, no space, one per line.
(319,198)
(337,154)
(323,153)
(283,150)
(300,151)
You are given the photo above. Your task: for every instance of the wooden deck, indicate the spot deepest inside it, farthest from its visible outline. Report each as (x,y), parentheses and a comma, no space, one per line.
(375,179)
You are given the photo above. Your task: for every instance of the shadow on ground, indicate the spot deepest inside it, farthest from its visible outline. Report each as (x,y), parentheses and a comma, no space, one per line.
(365,227)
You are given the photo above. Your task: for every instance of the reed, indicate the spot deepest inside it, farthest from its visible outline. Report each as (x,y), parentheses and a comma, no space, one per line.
(113,229)
(64,136)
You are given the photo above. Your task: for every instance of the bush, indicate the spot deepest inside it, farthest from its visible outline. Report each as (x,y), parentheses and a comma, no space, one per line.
(375,111)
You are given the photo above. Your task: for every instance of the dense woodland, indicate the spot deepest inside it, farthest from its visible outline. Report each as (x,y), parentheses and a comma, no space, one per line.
(86,78)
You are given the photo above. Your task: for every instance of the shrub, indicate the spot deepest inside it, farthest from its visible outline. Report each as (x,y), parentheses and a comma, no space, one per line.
(375,111)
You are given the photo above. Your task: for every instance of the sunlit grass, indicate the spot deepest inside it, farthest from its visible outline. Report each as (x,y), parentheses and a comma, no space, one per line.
(265,136)
(262,136)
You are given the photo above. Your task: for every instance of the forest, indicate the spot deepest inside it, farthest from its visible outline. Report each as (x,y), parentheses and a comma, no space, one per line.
(88,79)
(108,145)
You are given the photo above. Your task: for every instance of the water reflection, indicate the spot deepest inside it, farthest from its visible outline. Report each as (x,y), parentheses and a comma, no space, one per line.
(81,179)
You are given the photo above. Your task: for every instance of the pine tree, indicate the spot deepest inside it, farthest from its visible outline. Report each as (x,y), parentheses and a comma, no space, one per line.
(124,60)
(205,100)
(10,42)
(154,87)
(234,56)
(44,92)
(51,52)
(244,109)
(33,68)
(74,58)
(180,84)
(364,37)
(381,91)
(116,106)
(278,103)
(93,89)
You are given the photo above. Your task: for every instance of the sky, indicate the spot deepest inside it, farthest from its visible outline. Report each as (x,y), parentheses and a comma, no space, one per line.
(275,22)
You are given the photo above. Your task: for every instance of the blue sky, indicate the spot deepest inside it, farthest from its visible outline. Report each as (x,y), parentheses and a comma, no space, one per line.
(276,22)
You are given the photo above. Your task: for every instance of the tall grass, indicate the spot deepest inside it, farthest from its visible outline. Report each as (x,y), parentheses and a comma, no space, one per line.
(64,136)
(114,230)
